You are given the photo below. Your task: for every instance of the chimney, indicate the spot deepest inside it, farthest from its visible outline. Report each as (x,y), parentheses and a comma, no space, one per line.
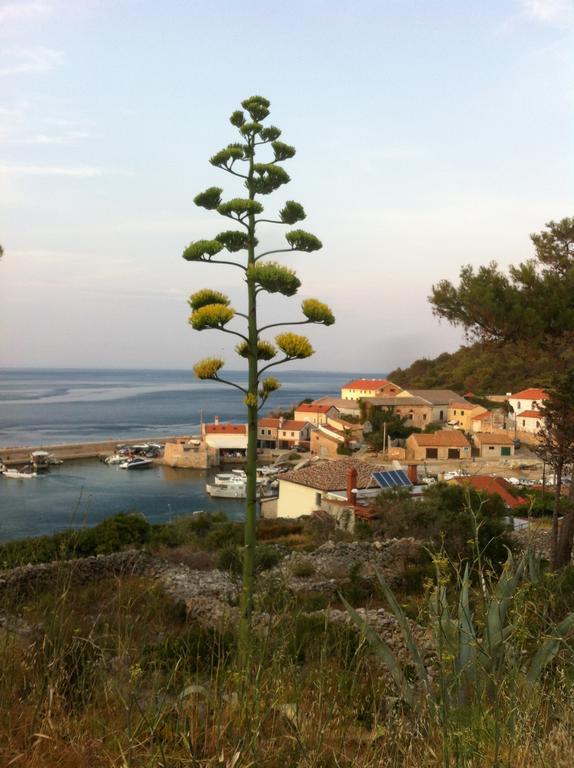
(216,419)
(352,486)
(412,473)
(281,422)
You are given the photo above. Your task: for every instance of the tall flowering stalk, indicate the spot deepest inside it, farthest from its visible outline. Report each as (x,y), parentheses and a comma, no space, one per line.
(211,309)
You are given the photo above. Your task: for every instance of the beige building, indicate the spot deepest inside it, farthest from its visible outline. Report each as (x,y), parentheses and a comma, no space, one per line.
(488,421)
(282,433)
(361,388)
(326,441)
(345,407)
(314,413)
(301,492)
(494,445)
(441,446)
(416,410)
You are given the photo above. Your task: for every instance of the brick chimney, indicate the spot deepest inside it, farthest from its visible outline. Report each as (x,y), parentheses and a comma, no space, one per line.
(412,473)
(281,420)
(216,419)
(352,486)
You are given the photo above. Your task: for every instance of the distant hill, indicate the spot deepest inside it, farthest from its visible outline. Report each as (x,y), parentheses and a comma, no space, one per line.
(478,368)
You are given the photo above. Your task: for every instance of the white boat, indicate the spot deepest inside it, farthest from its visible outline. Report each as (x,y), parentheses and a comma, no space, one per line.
(136,462)
(227,490)
(115,458)
(17,474)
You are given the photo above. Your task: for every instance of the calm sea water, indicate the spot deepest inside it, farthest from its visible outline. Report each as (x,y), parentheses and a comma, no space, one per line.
(65,406)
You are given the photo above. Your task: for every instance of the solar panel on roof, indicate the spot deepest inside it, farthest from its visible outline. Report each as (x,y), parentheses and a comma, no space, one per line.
(392,479)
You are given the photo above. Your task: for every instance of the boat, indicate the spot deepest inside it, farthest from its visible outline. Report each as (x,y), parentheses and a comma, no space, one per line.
(18,474)
(115,458)
(136,462)
(227,490)
(43,460)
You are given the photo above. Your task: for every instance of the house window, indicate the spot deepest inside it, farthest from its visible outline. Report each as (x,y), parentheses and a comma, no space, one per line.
(518,406)
(537,425)
(454,412)
(462,413)
(317,500)
(292,434)
(491,447)
(523,422)
(268,431)
(424,417)
(441,416)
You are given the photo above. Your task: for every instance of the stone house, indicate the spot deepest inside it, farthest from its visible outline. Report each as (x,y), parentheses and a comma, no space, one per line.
(443,445)
(282,433)
(489,421)
(439,399)
(416,410)
(492,445)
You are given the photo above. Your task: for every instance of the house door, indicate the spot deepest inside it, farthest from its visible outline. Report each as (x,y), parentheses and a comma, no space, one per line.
(432,453)
(505,451)
(453,453)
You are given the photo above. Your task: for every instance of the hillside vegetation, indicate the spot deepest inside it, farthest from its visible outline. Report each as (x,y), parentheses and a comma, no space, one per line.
(479,368)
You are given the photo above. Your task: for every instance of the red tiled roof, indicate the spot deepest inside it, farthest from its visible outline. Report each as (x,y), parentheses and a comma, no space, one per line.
(495,486)
(529,415)
(332,475)
(369,384)
(225,429)
(268,422)
(443,438)
(531,394)
(293,425)
(313,408)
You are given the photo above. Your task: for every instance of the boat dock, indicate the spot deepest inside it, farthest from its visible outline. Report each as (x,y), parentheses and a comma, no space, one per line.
(70,451)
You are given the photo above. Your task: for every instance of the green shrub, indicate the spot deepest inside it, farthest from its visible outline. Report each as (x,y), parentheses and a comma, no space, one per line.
(302,569)
(308,638)
(197,650)
(230,559)
(312,601)
(224,535)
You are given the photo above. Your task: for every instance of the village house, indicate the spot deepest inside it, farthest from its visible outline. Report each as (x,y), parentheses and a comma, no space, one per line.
(230,440)
(461,414)
(439,399)
(314,413)
(489,421)
(417,411)
(442,445)
(326,441)
(304,491)
(494,486)
(494,445)
(530,421)
(283,434)
(527,400)
(361,388)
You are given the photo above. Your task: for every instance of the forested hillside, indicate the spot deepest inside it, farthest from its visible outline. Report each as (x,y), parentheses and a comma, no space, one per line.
(478,368)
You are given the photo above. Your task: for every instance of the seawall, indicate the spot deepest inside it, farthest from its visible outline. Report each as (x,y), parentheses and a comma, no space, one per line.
(69,451)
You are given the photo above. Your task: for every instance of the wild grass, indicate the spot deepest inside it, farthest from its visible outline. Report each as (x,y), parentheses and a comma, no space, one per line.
(116,674)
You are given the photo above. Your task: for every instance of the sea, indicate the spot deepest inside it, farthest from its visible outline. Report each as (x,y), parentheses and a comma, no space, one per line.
(56,406)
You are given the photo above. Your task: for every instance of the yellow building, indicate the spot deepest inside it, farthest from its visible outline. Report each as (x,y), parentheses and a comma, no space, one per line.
(360,388)
(462,414)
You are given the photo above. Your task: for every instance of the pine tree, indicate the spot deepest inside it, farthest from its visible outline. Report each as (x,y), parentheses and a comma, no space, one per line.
(211,309)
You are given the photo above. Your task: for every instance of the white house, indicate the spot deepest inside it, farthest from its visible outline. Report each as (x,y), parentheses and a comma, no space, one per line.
(527,400)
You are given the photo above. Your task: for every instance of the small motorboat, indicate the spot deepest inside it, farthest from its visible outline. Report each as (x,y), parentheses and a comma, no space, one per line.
(136,462)
(18,474)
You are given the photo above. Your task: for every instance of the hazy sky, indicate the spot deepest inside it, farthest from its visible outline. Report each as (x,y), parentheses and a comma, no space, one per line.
(429,134)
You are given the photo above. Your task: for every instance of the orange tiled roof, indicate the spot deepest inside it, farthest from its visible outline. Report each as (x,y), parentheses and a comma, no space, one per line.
(444,438)
(493,438)
(225,429)
(531,394)
(293,425)
(529,415)
(494,486)
(313,408)
(268,422)
(369,384)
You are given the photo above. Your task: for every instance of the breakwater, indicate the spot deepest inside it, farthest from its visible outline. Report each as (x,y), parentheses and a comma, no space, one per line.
(84,450)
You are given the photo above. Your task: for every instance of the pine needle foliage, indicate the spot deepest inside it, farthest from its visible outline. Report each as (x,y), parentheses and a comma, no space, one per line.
(256,160)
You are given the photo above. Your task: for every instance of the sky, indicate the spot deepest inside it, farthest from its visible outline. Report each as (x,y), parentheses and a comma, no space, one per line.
(429,134)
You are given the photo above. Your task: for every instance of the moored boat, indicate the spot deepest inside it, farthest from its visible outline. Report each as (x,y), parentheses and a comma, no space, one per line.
(17,474)
(136,462)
